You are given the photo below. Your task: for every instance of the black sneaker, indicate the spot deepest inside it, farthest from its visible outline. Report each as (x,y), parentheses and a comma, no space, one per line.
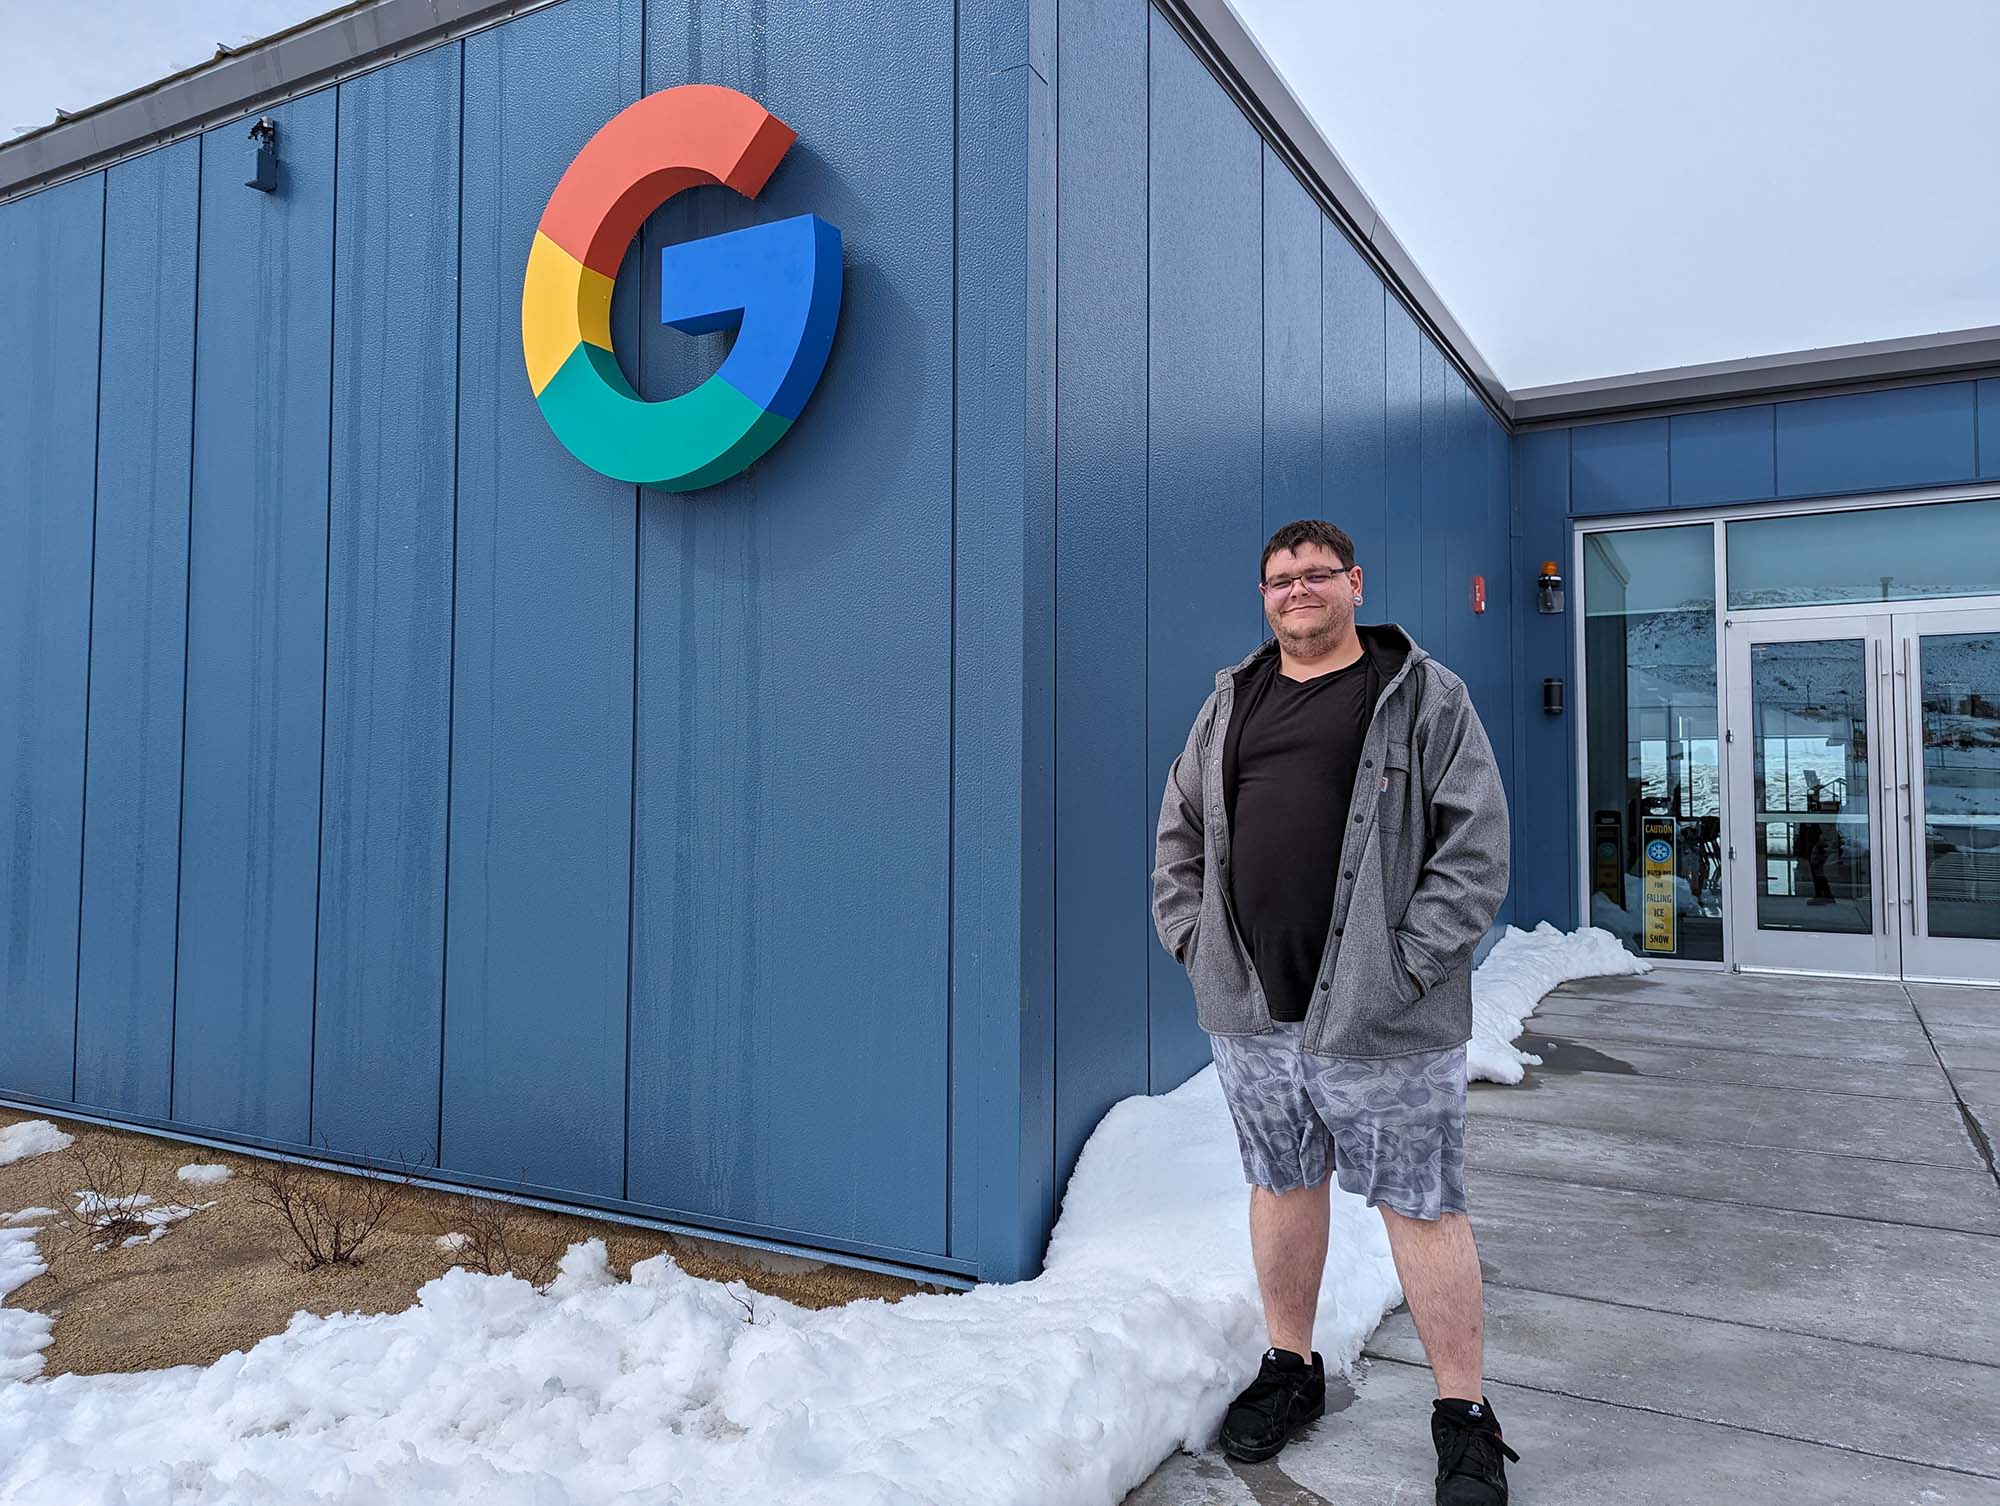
(1469,1446)
(1286,1395)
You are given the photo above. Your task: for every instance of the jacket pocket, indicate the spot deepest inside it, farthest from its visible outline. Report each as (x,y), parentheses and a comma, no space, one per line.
(1409,988)
(1393,788)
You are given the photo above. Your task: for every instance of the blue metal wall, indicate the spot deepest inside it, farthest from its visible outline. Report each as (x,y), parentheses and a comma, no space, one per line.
(1226,363)
(1934,434)
(382,781)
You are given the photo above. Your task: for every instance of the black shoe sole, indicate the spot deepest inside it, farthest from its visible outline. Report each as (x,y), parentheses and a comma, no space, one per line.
(1248,1454)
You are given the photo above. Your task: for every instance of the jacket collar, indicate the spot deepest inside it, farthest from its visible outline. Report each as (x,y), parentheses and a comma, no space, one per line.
(1391,649)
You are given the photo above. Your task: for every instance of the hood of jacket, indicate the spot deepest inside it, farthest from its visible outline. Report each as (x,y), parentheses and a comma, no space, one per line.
(1387,645)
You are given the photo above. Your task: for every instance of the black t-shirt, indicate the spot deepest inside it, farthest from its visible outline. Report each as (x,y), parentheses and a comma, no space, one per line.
(1288,778)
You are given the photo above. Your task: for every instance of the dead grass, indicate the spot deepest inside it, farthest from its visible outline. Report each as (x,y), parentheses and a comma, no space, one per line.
(224,1277)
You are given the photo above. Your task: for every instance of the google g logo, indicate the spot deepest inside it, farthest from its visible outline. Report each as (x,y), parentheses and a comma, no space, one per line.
(777,285)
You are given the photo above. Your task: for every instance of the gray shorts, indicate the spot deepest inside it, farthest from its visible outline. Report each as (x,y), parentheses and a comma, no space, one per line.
(1394,1127)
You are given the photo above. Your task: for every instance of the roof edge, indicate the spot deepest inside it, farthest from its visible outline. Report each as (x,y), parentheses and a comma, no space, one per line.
(309,55)
(1232,54)
(1790,374)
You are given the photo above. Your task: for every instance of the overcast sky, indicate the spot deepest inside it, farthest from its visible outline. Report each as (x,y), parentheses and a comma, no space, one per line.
(1597,187)
(1593,186)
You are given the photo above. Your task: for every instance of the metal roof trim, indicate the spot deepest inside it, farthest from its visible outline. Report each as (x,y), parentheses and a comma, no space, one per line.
(1788,375)
(1233,55)
(316,52)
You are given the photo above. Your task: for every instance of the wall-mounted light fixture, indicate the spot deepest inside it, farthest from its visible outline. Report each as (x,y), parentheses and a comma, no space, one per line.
(265,178)
(1549,588)
(1552,696)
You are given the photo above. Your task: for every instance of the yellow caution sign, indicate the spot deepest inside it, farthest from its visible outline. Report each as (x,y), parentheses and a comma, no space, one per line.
(1659,850)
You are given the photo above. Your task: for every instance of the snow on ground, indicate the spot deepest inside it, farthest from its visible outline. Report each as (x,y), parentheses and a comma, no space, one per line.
(1523,966)
(135,1208)
(203,1176)
(31,1137)
(682,1392)
(23,1335)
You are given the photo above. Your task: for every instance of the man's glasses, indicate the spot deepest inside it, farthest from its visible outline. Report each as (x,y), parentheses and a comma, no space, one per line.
(1316,580)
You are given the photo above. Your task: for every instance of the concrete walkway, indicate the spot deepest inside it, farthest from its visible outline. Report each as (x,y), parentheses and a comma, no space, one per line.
(1742,1242)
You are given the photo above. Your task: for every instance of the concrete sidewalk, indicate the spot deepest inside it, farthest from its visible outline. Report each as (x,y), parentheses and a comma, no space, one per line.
(1742,1242)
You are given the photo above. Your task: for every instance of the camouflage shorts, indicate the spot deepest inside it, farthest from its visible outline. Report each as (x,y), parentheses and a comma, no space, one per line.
(1394,1128)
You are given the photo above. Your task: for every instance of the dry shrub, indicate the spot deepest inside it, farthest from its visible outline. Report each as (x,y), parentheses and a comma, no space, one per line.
(500,1238)
(331,1215)
(123,1183)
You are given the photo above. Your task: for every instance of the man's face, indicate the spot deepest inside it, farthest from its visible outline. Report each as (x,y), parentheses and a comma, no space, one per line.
(1307,617)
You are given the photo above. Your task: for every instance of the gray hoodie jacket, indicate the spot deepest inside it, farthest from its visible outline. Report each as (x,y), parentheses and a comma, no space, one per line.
(1423,868)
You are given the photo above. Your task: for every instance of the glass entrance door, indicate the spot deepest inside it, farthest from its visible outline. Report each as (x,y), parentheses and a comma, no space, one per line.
(1947,670)
(1806,708)
(1863,758)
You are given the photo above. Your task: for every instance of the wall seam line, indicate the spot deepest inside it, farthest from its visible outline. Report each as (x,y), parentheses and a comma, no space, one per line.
(89,627)
(451,625)
(187,617)
(951,1109)
(326,609)
(632,770)
(1054,1192)
(1146,666)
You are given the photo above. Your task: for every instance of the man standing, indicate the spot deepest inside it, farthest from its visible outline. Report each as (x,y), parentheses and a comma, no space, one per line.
(1332,845)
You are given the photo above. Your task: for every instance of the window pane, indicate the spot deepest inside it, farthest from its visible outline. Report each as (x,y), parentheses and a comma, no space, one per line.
(1873,554)
(1809,782)
(1961,752)
(1654,782)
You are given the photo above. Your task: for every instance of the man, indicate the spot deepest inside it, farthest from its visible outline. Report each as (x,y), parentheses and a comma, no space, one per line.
(1332,845)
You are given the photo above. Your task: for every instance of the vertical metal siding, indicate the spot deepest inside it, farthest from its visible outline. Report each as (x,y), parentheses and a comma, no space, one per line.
(132,826)
(1724,456)
(1903,436)
(1544,802)
(380,993)
(1294,343)
(536,948)
(50,259)
(256,633)
(1398,594)
(1354,412)
(1205,423)
(794,690)
(1438,488)
(1104,809)
(1002,961)
(1619,467)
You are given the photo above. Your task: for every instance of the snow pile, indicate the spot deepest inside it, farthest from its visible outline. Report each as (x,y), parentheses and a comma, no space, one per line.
(1523,966)
(682,1392)
(23,1335)
(452,1243)
(203,1175)
(31,1137)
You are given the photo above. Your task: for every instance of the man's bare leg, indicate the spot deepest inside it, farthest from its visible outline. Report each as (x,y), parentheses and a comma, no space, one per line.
(1288,1242)
(1439,1268)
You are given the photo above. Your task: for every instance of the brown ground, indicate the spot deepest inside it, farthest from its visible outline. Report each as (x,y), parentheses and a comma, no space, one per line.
(220,1280)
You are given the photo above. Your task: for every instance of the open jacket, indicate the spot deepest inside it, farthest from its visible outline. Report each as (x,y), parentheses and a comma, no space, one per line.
(1423,868)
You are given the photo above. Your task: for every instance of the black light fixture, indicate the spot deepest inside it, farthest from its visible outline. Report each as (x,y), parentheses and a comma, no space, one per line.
(265,134)
(1552,696)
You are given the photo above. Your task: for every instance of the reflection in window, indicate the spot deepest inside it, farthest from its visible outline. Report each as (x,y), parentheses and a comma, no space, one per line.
(1653,775)
(1868,554)
(1961,779)
(1809,778)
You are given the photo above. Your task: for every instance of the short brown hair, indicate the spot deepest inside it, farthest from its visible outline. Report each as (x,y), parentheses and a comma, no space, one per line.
(1308,531)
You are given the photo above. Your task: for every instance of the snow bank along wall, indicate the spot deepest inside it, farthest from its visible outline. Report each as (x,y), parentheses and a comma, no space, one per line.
(771,859)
